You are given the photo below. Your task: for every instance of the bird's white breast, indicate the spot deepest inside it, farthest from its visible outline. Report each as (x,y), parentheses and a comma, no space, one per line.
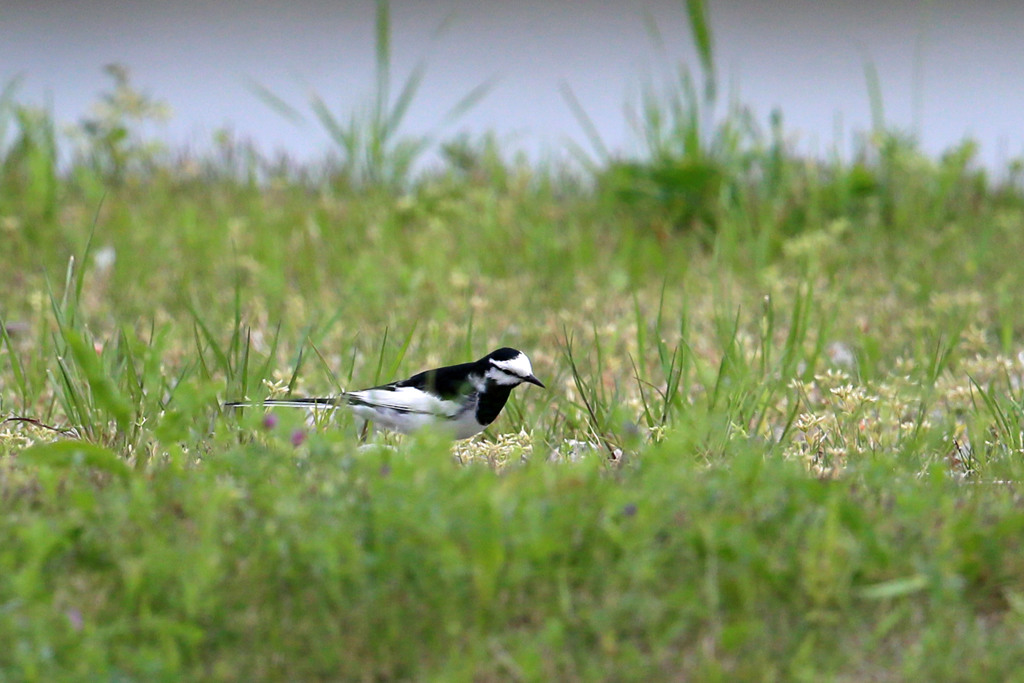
(406,410)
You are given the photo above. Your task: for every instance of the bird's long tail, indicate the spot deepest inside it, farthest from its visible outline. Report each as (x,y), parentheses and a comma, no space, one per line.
(320,402)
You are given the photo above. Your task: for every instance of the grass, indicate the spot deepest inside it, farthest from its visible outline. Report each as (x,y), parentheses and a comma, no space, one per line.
(781,440)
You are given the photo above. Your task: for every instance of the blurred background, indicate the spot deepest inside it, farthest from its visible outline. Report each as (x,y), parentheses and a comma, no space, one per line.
(946,70)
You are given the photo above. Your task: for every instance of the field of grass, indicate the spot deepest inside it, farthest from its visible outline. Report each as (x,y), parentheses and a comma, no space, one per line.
(782,438)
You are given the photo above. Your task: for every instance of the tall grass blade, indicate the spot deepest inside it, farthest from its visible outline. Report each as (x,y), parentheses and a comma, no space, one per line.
(80,275)
(729,357)
(101,386)
(1005,425)
(380,357)
(644,403)
(75,406)
(469,100)
(275,102)
(586,123)
(242,364)
(393,121)
(17,367)
(300,356)
(587,393)
(6,112)
(400,356)
(220,356)
(700,29)
(874,97)
(382,47)
(326,367)
(344,139)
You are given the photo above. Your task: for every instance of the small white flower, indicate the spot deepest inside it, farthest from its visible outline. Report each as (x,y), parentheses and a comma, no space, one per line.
(104,258)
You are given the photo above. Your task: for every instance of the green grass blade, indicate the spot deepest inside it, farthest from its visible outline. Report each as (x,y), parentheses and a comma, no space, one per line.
(400,356)
(469,100)
(874,97)
(586,123)
(393,121)
(102,388)
(700,31)
(220,356)
(382,47)
(275,103)
(380,357)
(17,368)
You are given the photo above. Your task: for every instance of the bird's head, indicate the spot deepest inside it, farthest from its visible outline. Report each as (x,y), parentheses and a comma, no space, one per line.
(509,367)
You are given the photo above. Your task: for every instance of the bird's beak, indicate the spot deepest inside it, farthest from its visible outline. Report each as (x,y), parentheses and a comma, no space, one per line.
(533,380)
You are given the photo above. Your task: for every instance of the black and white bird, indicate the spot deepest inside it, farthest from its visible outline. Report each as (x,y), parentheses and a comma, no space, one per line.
(460,399)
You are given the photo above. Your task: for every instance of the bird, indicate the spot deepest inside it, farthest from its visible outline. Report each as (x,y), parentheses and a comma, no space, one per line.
(461,400)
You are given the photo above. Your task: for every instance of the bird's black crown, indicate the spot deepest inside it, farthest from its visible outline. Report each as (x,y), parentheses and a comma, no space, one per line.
(505,353)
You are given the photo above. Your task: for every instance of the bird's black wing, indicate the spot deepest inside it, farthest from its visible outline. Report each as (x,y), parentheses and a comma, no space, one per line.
(449,383)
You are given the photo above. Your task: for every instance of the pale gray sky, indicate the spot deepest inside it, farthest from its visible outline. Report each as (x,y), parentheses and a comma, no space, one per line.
(950,68)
